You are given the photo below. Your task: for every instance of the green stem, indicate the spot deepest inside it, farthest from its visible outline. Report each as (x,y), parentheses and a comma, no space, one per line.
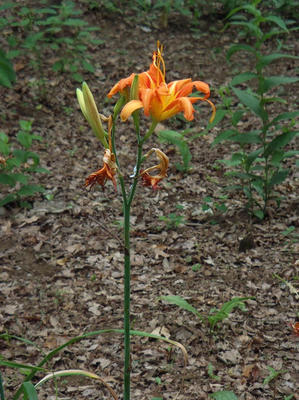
(127,202)
(150,131)
(127,300)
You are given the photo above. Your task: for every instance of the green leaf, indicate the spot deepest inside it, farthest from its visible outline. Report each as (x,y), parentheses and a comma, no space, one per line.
(75,22)
(236,117)
(87,66)
(226,309)
(250,26)
(224,136)
(12,364)
(249,159)
(236,159)
(278,177)
(178,140)
(279,141)
(4,148)
(3,137)
(284,116)
(273,374)
(6,179)
(250,8)
(244,77)
(248,137)
(25,139)
(259,214)
(220,114)
(29,391)
(29,190)
(7,73)
(273,81)
(224,395)
(20,178)
(266,60)
(239,47)
(251,102)
(8,199)
(277,20)
(77,77)
(182,303)
(21,155)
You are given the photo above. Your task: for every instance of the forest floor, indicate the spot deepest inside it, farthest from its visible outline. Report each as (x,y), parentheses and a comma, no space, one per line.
(62,261)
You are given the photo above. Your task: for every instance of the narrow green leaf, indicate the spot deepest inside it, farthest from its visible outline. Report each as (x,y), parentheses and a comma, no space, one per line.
(278,177)
(250,26)
(273,374)
(266,60)
(7,73)
(8,199)
(251,102)
(276,20)
(284,116)
(249,159)
(239,47)
(224,395)
(248,137)
(178,140)
(279,141)
(29,391)
(12,364)
(182,303)
(226,309)
(224,136)
(29,190)
(273,81)
(244,77)
(220,114)
(236,117)
(75,22)
(235,159)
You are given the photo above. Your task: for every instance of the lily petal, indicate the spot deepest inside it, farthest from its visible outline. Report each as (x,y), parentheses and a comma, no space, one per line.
(121,85)
(129,108)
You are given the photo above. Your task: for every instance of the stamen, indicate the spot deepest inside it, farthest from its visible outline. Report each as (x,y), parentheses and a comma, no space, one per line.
(160,60)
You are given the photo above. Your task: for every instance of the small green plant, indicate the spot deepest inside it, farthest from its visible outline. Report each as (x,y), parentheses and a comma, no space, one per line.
(17,165)
(209,205)
(196,267)
(273,374)
(216,316)
(259,162)
(173,220)
(211,373)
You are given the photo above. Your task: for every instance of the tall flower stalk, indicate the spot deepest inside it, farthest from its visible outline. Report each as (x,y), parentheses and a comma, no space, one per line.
(148,91)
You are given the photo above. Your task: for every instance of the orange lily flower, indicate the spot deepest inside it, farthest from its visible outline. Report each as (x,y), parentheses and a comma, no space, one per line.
(153,180)
(108,171)
(159,99)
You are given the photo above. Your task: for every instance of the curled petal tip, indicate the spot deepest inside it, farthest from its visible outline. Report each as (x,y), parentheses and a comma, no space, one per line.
(213,111)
